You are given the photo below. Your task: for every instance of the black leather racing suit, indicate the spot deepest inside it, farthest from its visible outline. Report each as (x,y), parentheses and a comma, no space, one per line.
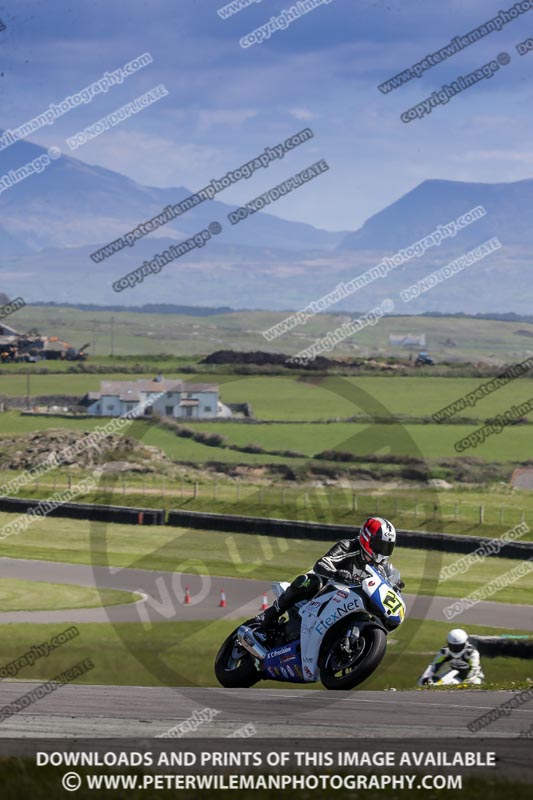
(344,562)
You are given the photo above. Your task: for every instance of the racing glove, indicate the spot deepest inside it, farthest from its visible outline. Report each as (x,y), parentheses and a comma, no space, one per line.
(344,576)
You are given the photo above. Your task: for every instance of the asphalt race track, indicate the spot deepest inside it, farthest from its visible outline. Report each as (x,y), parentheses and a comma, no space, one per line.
(243,597)
(126,711)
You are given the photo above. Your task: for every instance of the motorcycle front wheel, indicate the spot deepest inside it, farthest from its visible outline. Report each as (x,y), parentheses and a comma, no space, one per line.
(347,661)
(234,666)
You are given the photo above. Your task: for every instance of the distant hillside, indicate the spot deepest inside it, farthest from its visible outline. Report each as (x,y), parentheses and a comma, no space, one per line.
(52,222)
(435,202)
(148,308)
(72,204)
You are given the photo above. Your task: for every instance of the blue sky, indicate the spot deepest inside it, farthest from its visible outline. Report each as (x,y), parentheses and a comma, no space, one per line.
(227,103)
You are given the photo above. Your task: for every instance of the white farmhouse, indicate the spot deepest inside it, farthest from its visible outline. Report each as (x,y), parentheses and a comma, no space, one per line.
(171,398)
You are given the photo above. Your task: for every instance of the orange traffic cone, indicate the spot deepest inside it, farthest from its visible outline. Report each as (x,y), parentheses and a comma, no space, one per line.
(264,602)
(187,596)
(222,603)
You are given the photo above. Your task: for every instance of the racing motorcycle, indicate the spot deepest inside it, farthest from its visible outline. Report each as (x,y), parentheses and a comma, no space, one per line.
(339,637)
(450,678)
(453,677)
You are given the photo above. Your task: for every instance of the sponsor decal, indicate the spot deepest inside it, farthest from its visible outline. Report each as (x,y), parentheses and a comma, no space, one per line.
(372,583)
(388,532)
(275,653)
(308,672)
(339,612)
(291,657)
(342,593)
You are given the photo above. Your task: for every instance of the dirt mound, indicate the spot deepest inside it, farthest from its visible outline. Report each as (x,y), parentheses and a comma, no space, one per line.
(26,452)
(261,358)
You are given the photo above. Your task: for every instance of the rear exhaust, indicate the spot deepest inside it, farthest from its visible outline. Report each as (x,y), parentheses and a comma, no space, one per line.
(247,639)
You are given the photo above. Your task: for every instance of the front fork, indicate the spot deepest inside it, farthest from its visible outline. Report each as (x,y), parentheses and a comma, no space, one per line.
(352,635)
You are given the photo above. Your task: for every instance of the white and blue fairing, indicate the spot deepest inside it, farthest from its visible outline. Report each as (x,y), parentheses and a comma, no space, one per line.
(298,661)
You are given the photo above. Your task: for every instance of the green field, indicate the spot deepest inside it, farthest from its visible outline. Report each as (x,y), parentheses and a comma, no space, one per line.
(293,398)
(237,555)
(430,441)
(74,384)
(183,653)
(170,333)
(20,595)
(422,441)
(462,509)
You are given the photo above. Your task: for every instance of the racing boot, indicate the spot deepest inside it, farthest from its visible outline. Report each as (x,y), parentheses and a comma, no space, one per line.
(269,617)
(303,587)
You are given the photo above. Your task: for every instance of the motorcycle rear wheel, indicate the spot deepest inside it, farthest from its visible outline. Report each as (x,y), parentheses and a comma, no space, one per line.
(341,669)
(234,666)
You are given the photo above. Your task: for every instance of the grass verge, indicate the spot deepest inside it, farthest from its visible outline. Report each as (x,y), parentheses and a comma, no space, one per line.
(183,653)
(238,555)
(21,595)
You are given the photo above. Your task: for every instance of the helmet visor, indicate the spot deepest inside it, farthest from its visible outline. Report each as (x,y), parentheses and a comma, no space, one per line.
(383,547)
(457,647)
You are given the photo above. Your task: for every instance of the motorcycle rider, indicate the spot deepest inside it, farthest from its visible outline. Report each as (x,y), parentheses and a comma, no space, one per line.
(457,654)
(345,562)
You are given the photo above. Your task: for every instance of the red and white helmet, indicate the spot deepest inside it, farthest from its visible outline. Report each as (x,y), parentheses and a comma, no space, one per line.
(377,538)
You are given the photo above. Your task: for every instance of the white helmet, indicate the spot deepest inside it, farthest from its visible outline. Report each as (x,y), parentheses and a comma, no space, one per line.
(457,641)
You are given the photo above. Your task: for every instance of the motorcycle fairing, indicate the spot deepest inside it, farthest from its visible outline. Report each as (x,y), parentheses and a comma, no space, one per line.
(388,603)
(318,616)
(284,663)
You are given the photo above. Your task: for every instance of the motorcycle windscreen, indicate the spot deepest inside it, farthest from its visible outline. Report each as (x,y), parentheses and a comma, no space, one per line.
(386,601)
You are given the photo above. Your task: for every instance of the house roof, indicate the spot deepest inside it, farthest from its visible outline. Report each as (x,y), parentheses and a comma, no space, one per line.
(131,390)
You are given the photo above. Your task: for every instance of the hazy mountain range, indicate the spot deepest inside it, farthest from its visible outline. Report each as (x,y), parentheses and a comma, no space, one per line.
(52,221)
